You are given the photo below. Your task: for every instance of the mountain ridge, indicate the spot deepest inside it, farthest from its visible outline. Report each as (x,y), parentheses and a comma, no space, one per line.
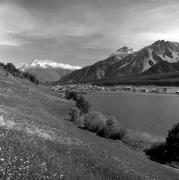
(97,70)
(45,63)
(130,64)
(47,70)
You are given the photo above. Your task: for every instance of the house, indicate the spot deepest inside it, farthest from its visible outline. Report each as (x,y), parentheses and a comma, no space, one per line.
(144,90)
(154,90)
(127,88)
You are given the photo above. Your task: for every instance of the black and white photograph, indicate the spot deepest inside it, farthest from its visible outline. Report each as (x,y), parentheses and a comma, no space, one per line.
(89,89)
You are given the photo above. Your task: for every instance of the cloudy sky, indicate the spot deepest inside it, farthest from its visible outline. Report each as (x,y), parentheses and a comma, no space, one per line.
(81,32)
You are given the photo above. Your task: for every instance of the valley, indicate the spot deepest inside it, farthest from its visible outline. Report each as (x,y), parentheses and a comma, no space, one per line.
(35,121)
(89,90)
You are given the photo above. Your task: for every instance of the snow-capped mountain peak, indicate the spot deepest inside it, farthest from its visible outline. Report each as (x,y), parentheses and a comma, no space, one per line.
(125,49)
(123,52)
(36,63)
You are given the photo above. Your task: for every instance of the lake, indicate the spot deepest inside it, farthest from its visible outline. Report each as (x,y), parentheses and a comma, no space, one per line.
(153,114)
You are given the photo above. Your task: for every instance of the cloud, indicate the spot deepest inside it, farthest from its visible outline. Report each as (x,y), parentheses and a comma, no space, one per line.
(82,32)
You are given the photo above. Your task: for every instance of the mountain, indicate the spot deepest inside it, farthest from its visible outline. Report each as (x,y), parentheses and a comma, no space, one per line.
(145,58)
(36,63)
(47,70)
(127,62)
(98,70)
(162,67)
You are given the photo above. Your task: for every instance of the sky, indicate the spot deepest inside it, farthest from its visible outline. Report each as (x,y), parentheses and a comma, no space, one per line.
(81,32)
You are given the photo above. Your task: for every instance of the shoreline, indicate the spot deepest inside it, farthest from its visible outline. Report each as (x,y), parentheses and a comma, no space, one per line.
(171,92)
(131,93)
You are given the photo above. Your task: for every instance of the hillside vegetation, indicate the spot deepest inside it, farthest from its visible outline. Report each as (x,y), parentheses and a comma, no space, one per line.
(38,143)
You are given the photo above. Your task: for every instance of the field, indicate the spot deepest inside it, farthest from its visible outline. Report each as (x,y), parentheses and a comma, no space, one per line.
(38,142)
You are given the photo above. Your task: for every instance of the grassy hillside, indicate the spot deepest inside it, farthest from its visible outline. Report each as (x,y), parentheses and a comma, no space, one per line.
(37,142)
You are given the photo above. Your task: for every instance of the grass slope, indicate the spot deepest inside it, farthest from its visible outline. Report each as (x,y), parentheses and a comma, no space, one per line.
(36,142)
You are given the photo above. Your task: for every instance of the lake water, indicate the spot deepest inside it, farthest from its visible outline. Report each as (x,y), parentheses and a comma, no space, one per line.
(153,114)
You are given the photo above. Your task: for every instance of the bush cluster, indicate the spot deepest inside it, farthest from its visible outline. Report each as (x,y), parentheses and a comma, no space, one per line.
(112,129)
(81,103)
(167,151)
(107,127)
(71,95)
(98,123)
(93,121)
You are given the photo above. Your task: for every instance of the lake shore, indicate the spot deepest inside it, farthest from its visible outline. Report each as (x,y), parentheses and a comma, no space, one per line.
(171,91)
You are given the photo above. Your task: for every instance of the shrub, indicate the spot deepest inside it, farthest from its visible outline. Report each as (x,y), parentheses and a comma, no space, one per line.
(2,65)
(83,105)
(172,144)
(67,91)
(74,115)
(94,121)
(168,151)
(81,102)
(118,133)
(112,129)
(72,95)
(157,152)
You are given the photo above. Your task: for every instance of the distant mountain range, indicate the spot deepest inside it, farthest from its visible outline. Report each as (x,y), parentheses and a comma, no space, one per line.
(98,70)
(160,57)
(47,70)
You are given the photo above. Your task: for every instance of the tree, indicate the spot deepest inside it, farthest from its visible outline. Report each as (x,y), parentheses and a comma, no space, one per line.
(172,143)
(83,105)
(74,114)
(2,64)
(67,91)
(94,121)
(10,68)
(73,95)
(31,77)
(167,151)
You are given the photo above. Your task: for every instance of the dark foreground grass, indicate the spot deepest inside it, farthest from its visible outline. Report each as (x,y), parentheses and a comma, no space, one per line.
(24,156)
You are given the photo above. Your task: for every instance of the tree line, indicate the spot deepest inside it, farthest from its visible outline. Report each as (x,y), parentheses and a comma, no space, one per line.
(10,68)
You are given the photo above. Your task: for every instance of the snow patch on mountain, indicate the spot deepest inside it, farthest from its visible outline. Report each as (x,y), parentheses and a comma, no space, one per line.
(36,63)
(123,52)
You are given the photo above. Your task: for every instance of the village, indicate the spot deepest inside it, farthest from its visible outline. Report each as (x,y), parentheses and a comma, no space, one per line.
(89,88)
